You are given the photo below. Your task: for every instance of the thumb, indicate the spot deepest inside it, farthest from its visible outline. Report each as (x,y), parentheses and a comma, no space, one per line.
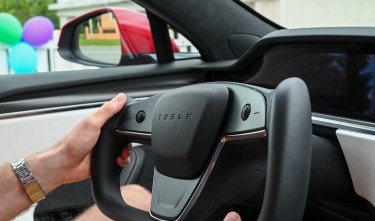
(232,216)
(108,110)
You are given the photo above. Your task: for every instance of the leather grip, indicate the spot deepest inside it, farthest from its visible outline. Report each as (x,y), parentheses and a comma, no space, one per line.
(289,152)
(105,173)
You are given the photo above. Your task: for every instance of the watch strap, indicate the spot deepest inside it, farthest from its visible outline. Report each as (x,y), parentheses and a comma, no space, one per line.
(29,182)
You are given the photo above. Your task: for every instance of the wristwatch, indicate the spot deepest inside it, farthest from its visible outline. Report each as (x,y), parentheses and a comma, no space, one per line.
(29,182)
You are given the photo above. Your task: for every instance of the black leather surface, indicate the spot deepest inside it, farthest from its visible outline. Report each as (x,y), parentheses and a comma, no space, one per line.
(289,152)
(185,127)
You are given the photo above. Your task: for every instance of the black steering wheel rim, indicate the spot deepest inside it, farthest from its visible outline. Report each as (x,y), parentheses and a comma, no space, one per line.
(287,124)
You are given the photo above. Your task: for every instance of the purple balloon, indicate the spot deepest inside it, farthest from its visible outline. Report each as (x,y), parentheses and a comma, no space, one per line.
(37,31)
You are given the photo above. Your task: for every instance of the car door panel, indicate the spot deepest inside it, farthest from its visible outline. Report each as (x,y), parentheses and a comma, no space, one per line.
(27,135)
(97,82)
(41,108)
(91,93)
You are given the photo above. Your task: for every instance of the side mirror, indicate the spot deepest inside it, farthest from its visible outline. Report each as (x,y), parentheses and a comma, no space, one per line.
(109,37)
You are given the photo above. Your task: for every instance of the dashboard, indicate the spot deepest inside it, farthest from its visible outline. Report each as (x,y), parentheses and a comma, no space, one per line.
(337,64)
(340,78)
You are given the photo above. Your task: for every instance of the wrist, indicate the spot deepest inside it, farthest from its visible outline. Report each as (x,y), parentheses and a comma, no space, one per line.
(47,169)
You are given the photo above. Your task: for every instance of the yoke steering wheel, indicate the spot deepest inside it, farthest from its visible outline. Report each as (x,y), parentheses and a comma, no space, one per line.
(190,128)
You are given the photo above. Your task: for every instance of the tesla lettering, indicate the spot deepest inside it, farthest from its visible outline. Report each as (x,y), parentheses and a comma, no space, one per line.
(171,117)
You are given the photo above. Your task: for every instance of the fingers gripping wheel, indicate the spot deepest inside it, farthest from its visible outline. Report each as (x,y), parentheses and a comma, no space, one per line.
(104,170)
(188,128)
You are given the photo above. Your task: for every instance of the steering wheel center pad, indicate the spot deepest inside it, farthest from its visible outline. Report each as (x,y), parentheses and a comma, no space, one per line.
(185,127)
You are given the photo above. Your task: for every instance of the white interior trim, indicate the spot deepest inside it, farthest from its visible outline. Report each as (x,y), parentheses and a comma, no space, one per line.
(24,136)
(359,152)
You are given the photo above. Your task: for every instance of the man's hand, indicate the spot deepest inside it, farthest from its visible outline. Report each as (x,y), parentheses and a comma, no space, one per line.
(67,162)
(75,149)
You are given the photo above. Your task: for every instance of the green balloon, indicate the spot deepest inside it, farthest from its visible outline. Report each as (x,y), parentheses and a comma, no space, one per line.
(10,29)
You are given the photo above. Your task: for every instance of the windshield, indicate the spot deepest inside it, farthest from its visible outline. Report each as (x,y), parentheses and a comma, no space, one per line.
(316,13)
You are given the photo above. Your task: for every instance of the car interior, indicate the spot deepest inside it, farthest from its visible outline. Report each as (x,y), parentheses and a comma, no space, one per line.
(273,123)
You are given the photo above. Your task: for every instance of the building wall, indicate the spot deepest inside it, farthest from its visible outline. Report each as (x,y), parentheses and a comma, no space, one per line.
(69,9)
(317,13)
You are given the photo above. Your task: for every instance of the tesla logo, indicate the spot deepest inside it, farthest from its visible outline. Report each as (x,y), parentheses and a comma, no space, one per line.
(171,117)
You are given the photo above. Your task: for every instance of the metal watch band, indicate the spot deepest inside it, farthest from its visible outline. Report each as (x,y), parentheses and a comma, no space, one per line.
(29,182)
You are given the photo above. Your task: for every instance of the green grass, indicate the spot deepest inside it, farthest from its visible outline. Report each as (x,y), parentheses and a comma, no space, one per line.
(83,41)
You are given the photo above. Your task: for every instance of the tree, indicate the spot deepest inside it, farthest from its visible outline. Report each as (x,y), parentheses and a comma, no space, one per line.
(25,9)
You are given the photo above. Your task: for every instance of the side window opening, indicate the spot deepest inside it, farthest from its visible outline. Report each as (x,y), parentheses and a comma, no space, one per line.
(48,58)
(186,49)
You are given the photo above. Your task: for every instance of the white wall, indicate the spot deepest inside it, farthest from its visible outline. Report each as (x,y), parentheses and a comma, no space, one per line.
(317,13)
(69,9)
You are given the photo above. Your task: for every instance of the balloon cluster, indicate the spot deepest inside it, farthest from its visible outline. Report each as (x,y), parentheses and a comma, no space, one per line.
(35,32)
